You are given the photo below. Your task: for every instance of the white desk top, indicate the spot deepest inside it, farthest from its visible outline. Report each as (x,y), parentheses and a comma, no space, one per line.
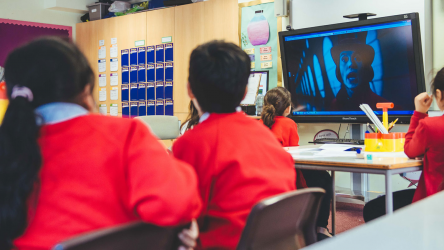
(334,155)
(418,226)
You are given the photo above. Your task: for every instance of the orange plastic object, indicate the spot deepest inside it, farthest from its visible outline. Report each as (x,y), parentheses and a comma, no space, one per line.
(385,106)
(3,100)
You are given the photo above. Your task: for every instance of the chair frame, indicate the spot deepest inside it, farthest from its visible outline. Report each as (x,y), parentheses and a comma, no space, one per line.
(301,239)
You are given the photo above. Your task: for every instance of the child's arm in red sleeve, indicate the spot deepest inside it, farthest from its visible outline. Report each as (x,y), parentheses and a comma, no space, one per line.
(416,137)
(163,190)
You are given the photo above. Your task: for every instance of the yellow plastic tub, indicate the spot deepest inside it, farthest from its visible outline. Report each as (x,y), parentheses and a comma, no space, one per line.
(392,142)
(3,101)
(373,142)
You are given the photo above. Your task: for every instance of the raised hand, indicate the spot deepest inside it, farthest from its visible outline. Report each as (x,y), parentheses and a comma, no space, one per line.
(423,102)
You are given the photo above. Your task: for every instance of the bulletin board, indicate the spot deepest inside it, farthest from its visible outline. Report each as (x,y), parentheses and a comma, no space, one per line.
(258,36)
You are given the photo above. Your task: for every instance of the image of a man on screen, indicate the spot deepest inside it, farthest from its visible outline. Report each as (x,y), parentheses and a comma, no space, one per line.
(353,59)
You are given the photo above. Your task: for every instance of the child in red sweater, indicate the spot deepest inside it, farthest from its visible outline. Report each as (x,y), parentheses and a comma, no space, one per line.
(277,106)
(424,139)
(64,171)
(237,160)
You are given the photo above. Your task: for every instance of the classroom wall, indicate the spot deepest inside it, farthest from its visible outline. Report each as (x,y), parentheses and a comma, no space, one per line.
(34,11)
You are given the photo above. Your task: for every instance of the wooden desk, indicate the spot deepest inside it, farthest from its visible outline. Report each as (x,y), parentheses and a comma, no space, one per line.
(386,164)
(254,117)
(417,226)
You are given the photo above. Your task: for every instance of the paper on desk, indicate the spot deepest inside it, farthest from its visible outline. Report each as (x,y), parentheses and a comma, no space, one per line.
(327,153)
(336,147)
(299,149)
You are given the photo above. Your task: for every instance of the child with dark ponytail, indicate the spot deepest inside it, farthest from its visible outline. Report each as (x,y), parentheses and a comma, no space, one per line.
(277,106)
(65,171)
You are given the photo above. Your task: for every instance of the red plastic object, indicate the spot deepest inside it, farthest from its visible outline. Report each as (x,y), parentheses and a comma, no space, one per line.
(3,95)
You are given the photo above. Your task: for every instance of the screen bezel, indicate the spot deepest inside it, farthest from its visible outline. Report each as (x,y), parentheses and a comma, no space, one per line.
(417,53)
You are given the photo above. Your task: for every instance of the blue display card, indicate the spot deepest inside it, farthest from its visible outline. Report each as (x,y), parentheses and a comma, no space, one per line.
(160,109)
(168,90)
(134,106)
(160,72)
(150,91)
(125,92)
(160,90)
(160,53)
(169,52)
(124,58)
(142,108)
(150,54)
(141,55)
(169,71)
(134,89)
(169,107)
(133,74)
(141,74)
(125,75)
(151,108)
(142,92)
(125,109)
(151,72)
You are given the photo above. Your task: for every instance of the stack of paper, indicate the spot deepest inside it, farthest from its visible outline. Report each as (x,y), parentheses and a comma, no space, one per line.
(369,112)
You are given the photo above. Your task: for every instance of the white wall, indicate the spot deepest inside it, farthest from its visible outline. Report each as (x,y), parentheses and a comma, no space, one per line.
(34,11)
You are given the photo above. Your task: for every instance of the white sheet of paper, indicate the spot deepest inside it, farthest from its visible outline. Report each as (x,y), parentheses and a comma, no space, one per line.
(113,50)
(102,66)
(114,79)
(337,147)
(114,110)
(113,40)
(293,150)
(114,65)
(253,86)
(102,80)
(101,42)
(114,94)
(102,95)
(102,109)
(102,52)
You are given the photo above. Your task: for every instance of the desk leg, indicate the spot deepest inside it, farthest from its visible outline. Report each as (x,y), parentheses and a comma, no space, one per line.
(333,204)
(388,193)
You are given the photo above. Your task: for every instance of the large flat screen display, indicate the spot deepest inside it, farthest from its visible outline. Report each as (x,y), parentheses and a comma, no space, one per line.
(330,71)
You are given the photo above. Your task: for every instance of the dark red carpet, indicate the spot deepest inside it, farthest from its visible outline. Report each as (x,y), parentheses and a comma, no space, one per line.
(348,216)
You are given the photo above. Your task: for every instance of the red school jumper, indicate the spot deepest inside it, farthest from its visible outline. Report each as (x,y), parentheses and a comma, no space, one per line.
(426,138)
(101,171)
(286,131)
(238,163)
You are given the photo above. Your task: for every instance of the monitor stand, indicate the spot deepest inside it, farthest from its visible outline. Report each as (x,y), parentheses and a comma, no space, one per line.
(359,182)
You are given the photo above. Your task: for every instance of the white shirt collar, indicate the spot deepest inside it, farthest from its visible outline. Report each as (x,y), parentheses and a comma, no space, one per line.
(206,115)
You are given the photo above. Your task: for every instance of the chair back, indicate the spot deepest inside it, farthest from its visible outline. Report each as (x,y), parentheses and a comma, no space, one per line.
(164,127)
(283,222)
(133,236)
